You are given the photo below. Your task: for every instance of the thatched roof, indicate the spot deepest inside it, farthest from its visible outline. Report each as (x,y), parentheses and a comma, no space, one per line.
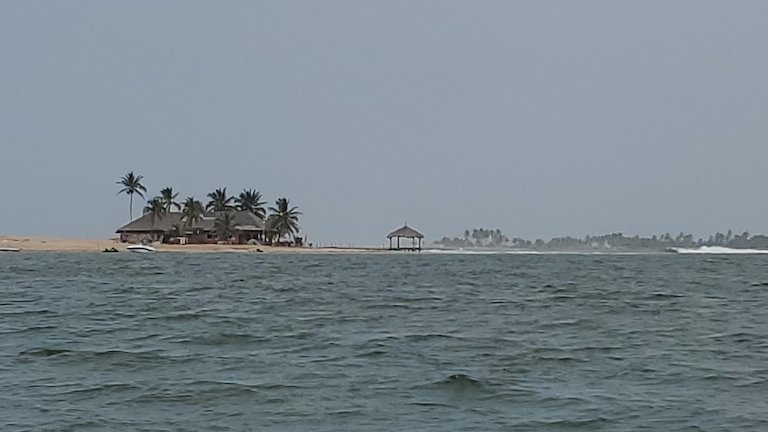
(144,223)
(405,232)
(243,221)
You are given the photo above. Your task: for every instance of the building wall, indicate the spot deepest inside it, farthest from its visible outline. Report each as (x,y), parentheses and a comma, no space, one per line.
(197,238)
(140,237)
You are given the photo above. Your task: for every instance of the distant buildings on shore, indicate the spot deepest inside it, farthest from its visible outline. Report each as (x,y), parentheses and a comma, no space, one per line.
(243,227)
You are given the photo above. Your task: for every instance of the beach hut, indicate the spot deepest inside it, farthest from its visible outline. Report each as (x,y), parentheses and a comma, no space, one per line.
(245,227)
(144,229)
(405,232)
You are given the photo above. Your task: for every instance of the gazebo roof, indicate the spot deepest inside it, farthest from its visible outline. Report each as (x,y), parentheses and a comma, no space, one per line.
(406,232)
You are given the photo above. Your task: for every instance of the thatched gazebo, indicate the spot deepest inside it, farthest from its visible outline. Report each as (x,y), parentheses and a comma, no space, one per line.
(405,232)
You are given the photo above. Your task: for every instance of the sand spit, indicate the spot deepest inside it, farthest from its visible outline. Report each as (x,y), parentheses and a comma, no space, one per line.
(56,244)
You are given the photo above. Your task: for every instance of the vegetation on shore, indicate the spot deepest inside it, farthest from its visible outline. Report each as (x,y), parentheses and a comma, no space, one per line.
(282,221)
(131,186)
(494,238)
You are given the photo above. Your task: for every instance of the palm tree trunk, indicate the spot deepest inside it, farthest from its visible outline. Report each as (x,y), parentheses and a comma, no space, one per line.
(130,208)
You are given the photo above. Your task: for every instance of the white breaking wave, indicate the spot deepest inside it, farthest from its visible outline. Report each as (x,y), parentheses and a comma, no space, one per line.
(718,250)
(525,252)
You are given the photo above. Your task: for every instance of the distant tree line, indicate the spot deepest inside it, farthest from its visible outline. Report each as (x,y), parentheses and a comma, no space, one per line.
(494,238)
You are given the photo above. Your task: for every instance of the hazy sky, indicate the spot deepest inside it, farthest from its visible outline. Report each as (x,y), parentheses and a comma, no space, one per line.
(539,118)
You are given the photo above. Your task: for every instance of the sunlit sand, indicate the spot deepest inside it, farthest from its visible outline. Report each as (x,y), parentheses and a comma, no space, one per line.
(56,244)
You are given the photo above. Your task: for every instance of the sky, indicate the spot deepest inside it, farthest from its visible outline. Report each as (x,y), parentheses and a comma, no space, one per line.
(540,118)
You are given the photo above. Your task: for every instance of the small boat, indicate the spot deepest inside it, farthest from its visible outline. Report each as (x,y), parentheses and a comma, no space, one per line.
(7,249)
(140,249)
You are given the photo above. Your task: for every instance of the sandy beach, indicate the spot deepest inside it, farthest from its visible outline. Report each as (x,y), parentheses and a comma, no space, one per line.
(56,244)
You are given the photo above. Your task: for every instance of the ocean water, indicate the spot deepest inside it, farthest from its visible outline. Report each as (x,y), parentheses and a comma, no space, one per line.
(409,342)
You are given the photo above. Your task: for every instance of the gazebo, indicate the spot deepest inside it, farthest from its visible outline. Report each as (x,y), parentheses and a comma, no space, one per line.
(405,232)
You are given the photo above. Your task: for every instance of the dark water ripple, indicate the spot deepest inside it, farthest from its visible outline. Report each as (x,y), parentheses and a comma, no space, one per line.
(404,342)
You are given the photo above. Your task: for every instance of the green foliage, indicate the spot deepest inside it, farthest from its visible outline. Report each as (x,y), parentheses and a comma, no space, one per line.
(480,237)
(219,201)
(156,209)
(131,184)
(283,220)
(169,199)
(225,225)
(250,200)
(192,212)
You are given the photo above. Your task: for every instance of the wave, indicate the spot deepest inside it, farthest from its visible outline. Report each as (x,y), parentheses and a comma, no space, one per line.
(718,250)
(564,423)
(457,382)
(534,252)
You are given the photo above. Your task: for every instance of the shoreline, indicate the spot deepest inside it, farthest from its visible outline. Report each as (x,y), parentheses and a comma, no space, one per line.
(78,245)
(60,244)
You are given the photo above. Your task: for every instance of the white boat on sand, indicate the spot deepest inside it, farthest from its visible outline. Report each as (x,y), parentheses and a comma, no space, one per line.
(8,249)
(140,249)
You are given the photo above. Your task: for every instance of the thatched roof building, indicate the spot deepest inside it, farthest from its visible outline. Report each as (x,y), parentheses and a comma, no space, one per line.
(405,232)
(246,226)
(144,224)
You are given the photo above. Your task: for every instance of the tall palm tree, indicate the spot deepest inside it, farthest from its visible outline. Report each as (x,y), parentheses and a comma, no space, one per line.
(219,201)
(168,198)
(283,220)
(250,200)
(131,185)
(225,225)
(156,210)
(192,212)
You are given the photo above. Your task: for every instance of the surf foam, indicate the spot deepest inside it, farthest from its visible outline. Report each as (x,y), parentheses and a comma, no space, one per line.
(718,250)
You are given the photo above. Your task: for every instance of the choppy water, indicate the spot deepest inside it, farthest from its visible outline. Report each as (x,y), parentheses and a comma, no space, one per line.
(231,342)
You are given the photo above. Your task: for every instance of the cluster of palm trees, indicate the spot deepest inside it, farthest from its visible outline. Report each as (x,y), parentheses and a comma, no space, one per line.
(281,221)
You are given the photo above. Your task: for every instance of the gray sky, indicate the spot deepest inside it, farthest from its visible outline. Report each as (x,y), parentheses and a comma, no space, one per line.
(540,118)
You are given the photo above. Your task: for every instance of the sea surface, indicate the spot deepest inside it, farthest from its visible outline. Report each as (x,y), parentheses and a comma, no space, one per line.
(401,342)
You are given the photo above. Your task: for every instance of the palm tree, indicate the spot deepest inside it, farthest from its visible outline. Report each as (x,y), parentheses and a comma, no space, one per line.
(192,212)
(250,200)
(131,185)
(225,225)
(168,198)
(156,209)
(219,201)
(283,220)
